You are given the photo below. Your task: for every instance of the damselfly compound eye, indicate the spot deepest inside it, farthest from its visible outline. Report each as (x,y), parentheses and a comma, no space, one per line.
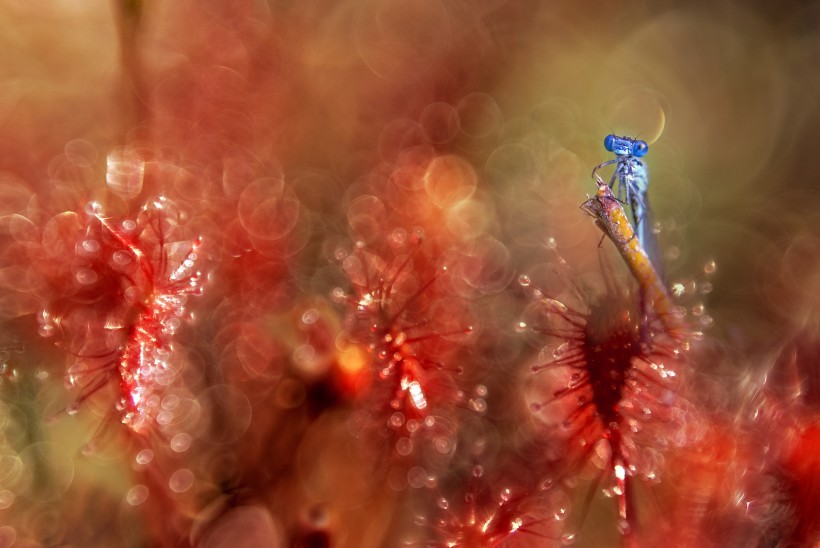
(640,148)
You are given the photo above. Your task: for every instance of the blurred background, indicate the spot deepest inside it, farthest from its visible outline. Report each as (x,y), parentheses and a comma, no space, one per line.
(287,131)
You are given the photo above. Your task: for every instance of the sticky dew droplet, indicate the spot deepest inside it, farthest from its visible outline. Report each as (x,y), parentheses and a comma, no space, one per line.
(86,276)
(479,405)
(90,246)
(181,442)
(568,539)
(396,419)
(137,495)
(144,457)
(442,444)
(181,480)
(310,316)
(404,446)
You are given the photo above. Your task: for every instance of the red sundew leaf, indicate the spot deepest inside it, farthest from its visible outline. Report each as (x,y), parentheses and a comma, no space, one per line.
(608,395)
(389,316)
(125,298)
(488,514)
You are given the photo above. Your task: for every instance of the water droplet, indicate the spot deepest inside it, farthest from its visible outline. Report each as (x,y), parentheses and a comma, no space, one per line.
(442,503)
(181,442)
(137,495)
(524,280)
(442,444)
(338,295)
(404,446)
(568,539)
(398,237)
(520,327)
(412,425)
(145,456)
(505,495)
(710,267)
(86,276)
(623,526)
(91,246)
(416,477)
(560,351)
(181,480)
(170,402)
(396,419)
(129,225)
(479,405)
(560,514)
(164,418)
(72,408)
(365,301)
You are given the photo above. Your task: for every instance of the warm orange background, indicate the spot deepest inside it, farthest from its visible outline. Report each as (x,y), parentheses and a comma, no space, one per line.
(273,123)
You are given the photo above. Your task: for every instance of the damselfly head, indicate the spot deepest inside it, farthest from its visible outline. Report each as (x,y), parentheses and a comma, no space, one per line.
(624,146)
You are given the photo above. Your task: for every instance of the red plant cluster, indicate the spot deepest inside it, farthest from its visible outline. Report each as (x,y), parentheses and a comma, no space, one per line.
(118,300)
(491,516)
(610,374)
(396,314)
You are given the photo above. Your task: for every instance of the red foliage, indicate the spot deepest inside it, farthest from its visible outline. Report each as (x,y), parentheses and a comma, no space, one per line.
(117,301)
(409,330)
(611,397)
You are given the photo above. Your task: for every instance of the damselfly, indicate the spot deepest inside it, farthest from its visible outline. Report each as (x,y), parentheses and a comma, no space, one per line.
(633,184)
